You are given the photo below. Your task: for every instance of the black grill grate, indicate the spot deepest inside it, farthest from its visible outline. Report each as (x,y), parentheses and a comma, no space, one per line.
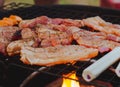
(27,11)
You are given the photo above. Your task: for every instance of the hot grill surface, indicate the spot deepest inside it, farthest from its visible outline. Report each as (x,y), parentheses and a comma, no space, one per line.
(15,68)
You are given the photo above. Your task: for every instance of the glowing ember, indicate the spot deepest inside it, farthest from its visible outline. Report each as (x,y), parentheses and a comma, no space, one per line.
(69,82)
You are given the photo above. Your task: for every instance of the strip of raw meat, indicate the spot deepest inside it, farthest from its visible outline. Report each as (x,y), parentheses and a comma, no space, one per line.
(15,46)
(52,38)
(97,23)
(91,39)
(44,37)
(44,20)
(56,55)
(98,34)
(8,34)
(28,34)
(88,33)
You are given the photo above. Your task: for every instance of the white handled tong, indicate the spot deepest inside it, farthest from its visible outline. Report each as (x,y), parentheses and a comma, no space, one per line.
(95,69)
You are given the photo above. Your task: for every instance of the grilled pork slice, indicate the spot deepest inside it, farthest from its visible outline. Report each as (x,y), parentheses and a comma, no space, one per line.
(113,37)
(8,34)
(52,38)
(44,20)
(101,35)
(86,33)
(56,55)
(95,40)
(97,23)
(27,34)
(15,46)
(44,37)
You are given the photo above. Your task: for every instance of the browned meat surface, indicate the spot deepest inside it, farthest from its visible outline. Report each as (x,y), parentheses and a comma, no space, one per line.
(48,41)
(44,20)
(54,38)
(98,35)
(25,23)
(41,37)
(56,55)
(15,46)
(97,23)
(113,37)
(94,40)
(8,34)
(27,33)
(44,36)
(101,35)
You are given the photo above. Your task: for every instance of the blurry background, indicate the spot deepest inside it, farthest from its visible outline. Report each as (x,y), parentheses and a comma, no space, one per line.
(114,4)
(83,2)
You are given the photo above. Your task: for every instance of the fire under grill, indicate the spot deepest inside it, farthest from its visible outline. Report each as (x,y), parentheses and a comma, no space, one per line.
(14,73)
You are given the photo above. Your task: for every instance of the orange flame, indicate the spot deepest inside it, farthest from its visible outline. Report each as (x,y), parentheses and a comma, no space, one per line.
(70,82)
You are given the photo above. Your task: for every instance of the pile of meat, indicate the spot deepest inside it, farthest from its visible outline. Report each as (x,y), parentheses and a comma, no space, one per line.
(49,41)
